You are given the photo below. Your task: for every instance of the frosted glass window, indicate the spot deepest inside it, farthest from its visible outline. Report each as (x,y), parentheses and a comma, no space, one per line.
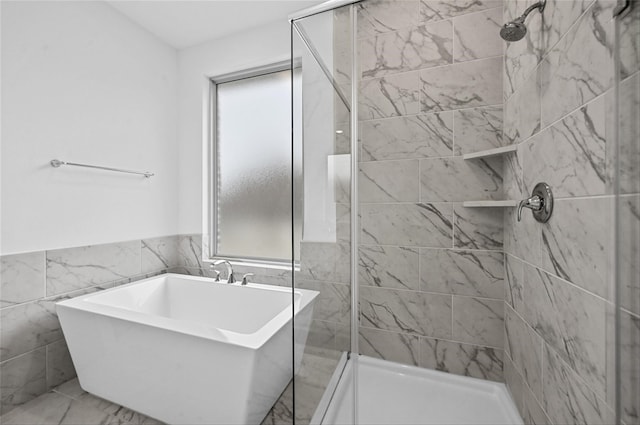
(253,157)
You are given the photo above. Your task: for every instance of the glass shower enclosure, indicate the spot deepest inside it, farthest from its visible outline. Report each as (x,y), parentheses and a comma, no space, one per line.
(324,161)
(566,342)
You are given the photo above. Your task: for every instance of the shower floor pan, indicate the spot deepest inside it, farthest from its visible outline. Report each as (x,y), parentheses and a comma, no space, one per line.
(391,393)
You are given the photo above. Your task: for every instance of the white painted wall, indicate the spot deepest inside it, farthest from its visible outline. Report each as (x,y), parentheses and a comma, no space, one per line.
(80,82)
(260,46)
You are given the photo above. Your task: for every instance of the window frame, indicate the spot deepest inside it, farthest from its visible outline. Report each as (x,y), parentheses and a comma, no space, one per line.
(212,167)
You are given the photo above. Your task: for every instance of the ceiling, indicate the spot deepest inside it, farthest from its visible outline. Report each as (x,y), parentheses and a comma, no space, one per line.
(184,23)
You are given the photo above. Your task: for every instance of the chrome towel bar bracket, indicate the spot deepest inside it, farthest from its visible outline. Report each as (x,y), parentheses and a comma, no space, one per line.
(58,163)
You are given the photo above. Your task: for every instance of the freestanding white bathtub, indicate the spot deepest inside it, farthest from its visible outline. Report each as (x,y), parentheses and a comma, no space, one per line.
(187,350)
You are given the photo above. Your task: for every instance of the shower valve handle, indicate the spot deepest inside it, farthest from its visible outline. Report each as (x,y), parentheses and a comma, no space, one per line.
(540,203)
(534,203)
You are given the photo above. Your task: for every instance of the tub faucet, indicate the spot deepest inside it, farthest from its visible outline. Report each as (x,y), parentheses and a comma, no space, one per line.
(230,277)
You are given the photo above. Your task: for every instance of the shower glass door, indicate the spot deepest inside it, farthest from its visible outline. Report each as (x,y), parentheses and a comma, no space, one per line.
(323,178)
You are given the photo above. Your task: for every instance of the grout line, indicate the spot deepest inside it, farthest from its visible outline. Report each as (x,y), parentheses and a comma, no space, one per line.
(562,279)
(386,288)
(420,70)
(27,352)
(367,245)
(419,336)
(563,117)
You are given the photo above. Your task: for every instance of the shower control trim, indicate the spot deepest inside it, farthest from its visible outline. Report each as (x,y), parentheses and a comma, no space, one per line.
(540,203)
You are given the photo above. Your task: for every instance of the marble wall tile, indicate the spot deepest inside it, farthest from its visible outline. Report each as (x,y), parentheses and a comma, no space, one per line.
(389,266)
(514,382)
(21,278)
(573,73)
(406,311)
(325,261)
(477,36)
(266,275)
(433,10)
(389,181)
(570,155)
(428,225)
(390,96)
(26,327)
(76,268)
(525,347)
(418,136)
(522,111)
(629,137)
(630,367)
(566,399)
(322,334)
(333,304)
(559,16)
(461,85)
(478,321)
(59,364)
(457,180)
(462,272)
(576,243)
(629,253)
(190,251)
(478,129)
(630,43)
(22,379)
(513,175)
(380,16)
(478,228)
(192,271)
(425,46)
(391,346)
(342,48)
(522,238)
(514,279)
(522,57)
(159,253)
(532,411)
(571,321)
(461,359)
(343,337)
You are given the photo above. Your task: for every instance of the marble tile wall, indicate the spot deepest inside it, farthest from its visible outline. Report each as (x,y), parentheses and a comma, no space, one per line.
(431,271)
(559,275)
(33,353)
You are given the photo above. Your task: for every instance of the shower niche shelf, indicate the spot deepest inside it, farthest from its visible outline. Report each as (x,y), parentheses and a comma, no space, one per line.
(491,152)
(490,204)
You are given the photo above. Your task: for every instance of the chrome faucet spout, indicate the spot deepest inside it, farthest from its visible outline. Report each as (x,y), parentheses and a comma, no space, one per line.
(230,277)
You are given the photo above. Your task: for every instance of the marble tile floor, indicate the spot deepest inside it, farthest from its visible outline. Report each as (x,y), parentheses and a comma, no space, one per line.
(68,404)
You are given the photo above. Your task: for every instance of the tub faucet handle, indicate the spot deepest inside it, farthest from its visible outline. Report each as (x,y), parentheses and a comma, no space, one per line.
(217,272)
(245,278)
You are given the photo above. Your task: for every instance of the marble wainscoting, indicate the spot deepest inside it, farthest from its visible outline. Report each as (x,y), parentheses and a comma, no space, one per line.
(33,353)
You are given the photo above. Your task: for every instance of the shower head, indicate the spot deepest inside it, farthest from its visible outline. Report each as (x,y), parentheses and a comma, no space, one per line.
(513,31)
(516,29)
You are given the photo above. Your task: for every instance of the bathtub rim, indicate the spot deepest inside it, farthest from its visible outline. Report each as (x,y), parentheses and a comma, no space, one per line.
(253,340)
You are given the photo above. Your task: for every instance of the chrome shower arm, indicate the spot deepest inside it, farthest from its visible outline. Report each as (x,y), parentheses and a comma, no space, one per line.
(540,5)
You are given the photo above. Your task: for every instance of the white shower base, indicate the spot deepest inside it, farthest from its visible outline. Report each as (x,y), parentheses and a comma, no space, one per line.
(391,393)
